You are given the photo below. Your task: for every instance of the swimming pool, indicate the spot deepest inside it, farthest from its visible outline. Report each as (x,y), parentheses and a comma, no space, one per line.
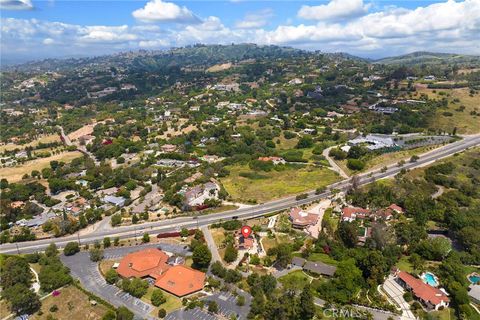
(474,278)
(429,278)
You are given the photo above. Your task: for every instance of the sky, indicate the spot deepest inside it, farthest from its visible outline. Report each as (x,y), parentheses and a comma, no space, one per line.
(32,29)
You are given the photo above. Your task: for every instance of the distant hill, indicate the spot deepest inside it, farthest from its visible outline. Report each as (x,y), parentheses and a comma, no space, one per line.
(192,56)
(424,57)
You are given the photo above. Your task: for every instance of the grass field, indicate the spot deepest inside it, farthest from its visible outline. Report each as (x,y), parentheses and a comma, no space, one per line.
(404,265)
(275,184)
(295,280)
(45,139)
(15,174)
(275,241)
(463,120)
(72,304)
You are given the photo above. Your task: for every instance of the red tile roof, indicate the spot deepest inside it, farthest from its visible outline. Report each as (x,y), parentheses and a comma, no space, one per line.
(422,290)
(302,218)
(180,280)
(349,212)
(149,262)
(395,207)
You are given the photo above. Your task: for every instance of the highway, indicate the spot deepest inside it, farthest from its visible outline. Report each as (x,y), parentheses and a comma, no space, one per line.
(176,224)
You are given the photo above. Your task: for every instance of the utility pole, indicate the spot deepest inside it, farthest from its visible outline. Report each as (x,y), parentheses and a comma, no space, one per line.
(18,250)
(78,237)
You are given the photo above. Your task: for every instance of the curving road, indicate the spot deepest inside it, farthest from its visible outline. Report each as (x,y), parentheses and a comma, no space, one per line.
(242,213)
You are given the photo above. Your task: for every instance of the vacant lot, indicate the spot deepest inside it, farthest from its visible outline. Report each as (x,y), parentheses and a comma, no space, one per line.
(14,174)
(72,304)
(463,120)
(45,139)
(87,129)
(264,186)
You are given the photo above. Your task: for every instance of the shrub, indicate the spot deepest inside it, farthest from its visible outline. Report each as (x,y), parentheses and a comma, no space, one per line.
(71,248)
(162,313)
(158,298)
(111,276)
(355,164)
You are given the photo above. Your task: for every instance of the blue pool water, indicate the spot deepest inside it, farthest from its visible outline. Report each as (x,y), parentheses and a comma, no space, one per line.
(474,278)
(429,278)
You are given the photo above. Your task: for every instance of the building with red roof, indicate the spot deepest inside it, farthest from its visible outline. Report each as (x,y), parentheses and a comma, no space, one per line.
(149,262)
(275,160)
(431,297)
(351,214)
(181,281)
(302,219)
(396,208)
(169,276)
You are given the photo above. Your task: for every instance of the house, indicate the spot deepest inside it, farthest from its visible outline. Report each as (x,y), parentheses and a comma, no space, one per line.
(298,262)
(168,272)
(351,214)
(431,297)
(301,219)
(172,163)
(374,142)
(17,204)
(429,78)
(168,148)
(320,268)
(309,131)
(180,281)
(396,208)
(275,160)
(116,201)
(197,195)
(245,243)
(295,81)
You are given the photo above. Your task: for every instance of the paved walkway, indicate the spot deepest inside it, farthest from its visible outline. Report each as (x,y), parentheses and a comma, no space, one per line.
(395,292)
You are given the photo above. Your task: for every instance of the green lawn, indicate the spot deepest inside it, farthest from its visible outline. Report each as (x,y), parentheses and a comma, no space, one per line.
(173,302)
(295,280)
(265,186)
(322,257)
(404,265)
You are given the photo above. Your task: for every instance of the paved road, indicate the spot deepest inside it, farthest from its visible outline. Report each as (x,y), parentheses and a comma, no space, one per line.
(243,213)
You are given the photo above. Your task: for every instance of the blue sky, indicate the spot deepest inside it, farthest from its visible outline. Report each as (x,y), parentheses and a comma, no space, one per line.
(37,29)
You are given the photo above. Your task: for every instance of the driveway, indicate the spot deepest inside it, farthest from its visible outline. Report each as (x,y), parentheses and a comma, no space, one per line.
(211,244)
(395,292)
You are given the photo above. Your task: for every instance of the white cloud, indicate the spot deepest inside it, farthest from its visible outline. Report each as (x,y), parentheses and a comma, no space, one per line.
(255,20)
(160,11)
(106,34)
(334,10)
(449,26)
(48,41)
(16,5)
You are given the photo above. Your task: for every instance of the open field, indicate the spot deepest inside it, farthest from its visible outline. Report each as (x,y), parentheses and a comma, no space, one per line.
(463,120)
(87,129)
(45,139)
(220,67)
(266,186)
(72,304)
(277,239)
(15,174)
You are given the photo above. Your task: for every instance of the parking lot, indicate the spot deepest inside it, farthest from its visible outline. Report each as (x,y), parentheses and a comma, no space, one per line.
(191,314)
(227,304)
(87,272)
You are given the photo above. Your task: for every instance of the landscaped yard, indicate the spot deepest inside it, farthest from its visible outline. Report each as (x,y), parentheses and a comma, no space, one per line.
(277,239)
(322,257)
(173,303)
(265,186)
(15,174)
(295,280)
(72,304)
(404,265)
